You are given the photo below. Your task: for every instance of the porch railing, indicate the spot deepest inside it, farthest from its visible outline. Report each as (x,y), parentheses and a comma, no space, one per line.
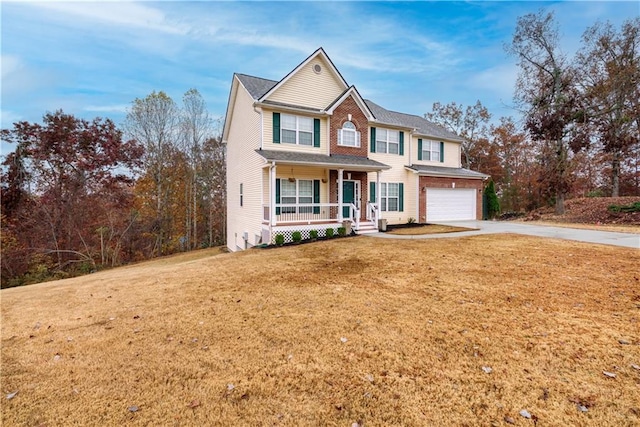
(372,212)
(303,213)
(317,213)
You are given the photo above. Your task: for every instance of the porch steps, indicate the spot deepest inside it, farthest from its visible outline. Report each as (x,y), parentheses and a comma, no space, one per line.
(366,227)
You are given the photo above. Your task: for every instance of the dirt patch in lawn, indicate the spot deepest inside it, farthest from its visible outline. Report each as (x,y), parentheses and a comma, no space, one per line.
(461,331)
(428,229)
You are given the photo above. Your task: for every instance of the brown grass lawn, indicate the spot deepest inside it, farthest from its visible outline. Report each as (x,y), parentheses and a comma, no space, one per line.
(377,332)
(428,229)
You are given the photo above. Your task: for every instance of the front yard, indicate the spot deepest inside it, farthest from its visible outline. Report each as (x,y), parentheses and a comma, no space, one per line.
(466,331)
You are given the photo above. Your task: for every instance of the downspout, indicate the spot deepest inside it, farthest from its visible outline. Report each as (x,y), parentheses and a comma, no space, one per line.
(259,111)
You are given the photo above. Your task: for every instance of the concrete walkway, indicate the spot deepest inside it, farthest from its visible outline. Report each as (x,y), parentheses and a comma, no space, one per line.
(492,227)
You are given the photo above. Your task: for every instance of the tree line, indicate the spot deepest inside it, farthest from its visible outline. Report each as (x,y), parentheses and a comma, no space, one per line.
(581,130)
(79,195)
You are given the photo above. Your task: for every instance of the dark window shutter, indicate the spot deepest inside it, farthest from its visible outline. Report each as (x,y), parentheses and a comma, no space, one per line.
(276,128)
(372,192)
(277,195)
(401,197)
(441,151)
(316,195)
(419,149)
(401,150)
(316,132)
(373,140)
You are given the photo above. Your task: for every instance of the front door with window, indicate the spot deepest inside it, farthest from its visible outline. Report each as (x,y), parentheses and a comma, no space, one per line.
(350,194)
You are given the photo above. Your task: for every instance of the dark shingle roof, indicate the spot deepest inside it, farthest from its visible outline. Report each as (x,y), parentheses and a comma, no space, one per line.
(423,126)
(292,157)
(256,85)
(449,172)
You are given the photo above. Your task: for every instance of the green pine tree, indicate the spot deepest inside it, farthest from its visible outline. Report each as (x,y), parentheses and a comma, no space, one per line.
(493,205)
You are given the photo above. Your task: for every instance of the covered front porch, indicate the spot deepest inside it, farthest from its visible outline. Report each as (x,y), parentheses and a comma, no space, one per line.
(304,192)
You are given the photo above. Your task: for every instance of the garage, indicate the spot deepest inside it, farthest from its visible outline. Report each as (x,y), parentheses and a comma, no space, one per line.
(451,204)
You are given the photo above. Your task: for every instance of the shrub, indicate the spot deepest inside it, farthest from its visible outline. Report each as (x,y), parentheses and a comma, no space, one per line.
(342,231)
(313,234)
(634,207)
(296,236)
(493,205)
(411,220)
(329,233)
(279,239)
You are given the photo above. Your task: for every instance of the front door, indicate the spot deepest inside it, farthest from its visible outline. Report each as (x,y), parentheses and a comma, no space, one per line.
(350,194)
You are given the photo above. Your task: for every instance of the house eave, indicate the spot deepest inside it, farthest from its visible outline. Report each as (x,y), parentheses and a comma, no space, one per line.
(292,108)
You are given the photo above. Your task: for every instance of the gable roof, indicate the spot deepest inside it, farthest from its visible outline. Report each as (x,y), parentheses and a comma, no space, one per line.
(422,125)
(351,91)
(260,88)
(319,52)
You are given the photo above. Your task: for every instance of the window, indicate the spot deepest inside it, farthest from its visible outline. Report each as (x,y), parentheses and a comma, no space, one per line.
(389,193)
(387,141)
(348,135)
(305,195)
(241,194)
(296,192)
(431,150)
(296,130)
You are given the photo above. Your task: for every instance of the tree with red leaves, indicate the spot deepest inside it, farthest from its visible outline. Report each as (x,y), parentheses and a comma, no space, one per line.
(66,179)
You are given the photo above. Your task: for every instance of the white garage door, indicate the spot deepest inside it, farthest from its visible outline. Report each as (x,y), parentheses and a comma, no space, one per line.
(451,204)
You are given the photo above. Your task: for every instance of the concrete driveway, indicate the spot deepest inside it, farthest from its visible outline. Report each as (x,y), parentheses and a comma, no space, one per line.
(492,227)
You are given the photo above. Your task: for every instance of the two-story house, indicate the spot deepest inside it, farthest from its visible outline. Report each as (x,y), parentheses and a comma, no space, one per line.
(307,152)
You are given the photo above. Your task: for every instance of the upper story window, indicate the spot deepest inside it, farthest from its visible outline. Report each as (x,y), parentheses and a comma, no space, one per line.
(297,130)
(300,130)
(430,150)
(348,135)
(387,141)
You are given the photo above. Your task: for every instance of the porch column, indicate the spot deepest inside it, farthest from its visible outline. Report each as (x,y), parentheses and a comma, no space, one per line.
(340,177)
(378,197)
(272,195)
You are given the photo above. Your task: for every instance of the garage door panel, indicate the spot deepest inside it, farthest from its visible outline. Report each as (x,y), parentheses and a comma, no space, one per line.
(451,204)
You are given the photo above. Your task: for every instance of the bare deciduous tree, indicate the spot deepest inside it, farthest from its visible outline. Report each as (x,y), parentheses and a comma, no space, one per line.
(545,90)
(470,123)
(609,66)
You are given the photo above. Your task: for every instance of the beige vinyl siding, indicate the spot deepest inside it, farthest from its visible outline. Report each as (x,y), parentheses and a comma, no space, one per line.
(326,87)
(397,173)
(451,153)
(268,136)
(310,173)
(244,166)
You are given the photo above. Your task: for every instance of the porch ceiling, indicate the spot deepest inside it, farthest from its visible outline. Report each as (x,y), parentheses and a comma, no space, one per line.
(322,160)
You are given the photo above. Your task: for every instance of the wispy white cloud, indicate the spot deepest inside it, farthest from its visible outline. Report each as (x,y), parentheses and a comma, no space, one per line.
(499,80)
(126,14)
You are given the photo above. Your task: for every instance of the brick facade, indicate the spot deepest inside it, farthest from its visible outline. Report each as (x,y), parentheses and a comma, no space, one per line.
(433,182)
(341,115)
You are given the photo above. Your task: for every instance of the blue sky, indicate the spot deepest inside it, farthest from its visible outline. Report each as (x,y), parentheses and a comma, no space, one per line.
(94,58)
